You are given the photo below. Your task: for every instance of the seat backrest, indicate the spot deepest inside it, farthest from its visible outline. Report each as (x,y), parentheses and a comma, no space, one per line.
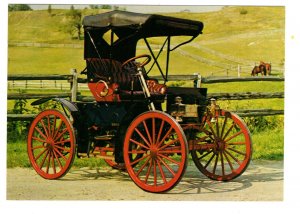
(112,71)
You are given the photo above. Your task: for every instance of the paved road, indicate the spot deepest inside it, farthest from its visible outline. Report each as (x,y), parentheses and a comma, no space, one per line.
(262,181)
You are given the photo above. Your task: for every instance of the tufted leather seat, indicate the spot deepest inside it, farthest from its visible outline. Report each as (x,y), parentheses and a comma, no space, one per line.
(111,71)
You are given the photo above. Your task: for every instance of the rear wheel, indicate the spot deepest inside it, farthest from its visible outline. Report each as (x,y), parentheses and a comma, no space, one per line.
(155,151)
(224,148)
(51,144)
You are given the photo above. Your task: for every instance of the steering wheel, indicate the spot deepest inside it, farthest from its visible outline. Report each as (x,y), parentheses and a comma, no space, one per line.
(145,62)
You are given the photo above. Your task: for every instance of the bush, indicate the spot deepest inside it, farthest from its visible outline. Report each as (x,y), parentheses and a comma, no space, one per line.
(243,11)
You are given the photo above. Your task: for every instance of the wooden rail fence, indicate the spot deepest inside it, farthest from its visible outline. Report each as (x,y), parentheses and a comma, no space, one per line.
(74,95)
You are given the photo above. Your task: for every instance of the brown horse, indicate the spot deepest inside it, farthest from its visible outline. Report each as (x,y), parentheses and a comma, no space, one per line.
(259,69)
(268,67)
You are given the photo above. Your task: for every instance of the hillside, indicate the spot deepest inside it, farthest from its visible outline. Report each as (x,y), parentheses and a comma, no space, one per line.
(232,36)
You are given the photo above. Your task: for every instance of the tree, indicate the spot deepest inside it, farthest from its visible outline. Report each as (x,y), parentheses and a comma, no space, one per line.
(19,7)
(73,25)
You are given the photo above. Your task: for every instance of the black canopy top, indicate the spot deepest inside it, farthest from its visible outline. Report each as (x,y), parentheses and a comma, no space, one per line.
(126,29)
(148,25)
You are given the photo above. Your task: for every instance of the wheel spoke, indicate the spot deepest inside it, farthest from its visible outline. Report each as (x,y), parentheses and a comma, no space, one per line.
(57,159)
(148,171)
(60,154)
(153,130)
(239,152)
(43,161)
(228,131)
(40,154)
(160,131)
(208,162)
(223,127)
(166,135)
(39,139)
(143,166)
(44,127)
(63,148)
(169,159)
(58,128)
(207,153)
(234,158)
(222,163)
(169,143)
(161,172)
(139,144)
(40,132)
(142,136)
(147,131)
(216,163)
(138,160)
(61,134)
(53,163)
(53,127)
(166,165)
(229,162)
(233,136)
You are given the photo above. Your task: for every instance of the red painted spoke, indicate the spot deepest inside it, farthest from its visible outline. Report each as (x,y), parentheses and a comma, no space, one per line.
(139,144)
(53,127)
(37,147)
(60,154)
(222,164)
(234,158)
(43,161)
(143,166)
(233,136)
(236,143)
(148,171)
(228,131)
(166,135)
(153,130)
(58,128)
(40,132)
(239,152)
(49,126)
(161,172)
(138,160)
(62,141)
(223,127)
(53,162)
(169,143)
(169,159)
(208,162)
(211,129)
(166,165)
(160,130)
(216,163)
(39,139)
(63,148)
(142,136)
(41,153)
(134,151)
(147,131)
(229,162)
(44,127)
(48,162)
(217,127)
(57,159)
(154,172)
(60,134)
(207,153)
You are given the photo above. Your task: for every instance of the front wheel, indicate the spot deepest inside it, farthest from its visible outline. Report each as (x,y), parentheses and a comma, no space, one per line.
(51,144)
(155,151)
(224,146)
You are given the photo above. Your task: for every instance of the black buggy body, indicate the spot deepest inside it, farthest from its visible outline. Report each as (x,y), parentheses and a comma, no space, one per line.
(134,122)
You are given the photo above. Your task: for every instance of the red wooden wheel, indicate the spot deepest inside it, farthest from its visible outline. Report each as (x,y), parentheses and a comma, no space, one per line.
(155,151)
(224,148)
(51,144)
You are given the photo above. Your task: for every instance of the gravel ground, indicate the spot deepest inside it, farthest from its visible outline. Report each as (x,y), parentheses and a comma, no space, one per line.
(262,181)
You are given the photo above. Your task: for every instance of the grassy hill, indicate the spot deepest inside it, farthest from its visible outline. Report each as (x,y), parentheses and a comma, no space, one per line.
(232,36)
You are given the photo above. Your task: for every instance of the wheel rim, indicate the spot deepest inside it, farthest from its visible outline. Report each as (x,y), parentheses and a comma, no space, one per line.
(51,144)
(225,147)
(155,151)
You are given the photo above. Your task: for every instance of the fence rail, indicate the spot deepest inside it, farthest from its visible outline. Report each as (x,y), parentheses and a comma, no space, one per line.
(75,94)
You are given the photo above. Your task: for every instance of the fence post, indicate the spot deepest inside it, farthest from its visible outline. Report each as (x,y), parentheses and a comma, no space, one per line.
(239,70)
(74,85)
(197,81)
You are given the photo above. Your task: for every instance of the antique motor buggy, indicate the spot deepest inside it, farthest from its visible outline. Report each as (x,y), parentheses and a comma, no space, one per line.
(135,123)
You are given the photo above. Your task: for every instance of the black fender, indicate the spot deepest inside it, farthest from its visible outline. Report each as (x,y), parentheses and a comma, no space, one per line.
(65,103)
